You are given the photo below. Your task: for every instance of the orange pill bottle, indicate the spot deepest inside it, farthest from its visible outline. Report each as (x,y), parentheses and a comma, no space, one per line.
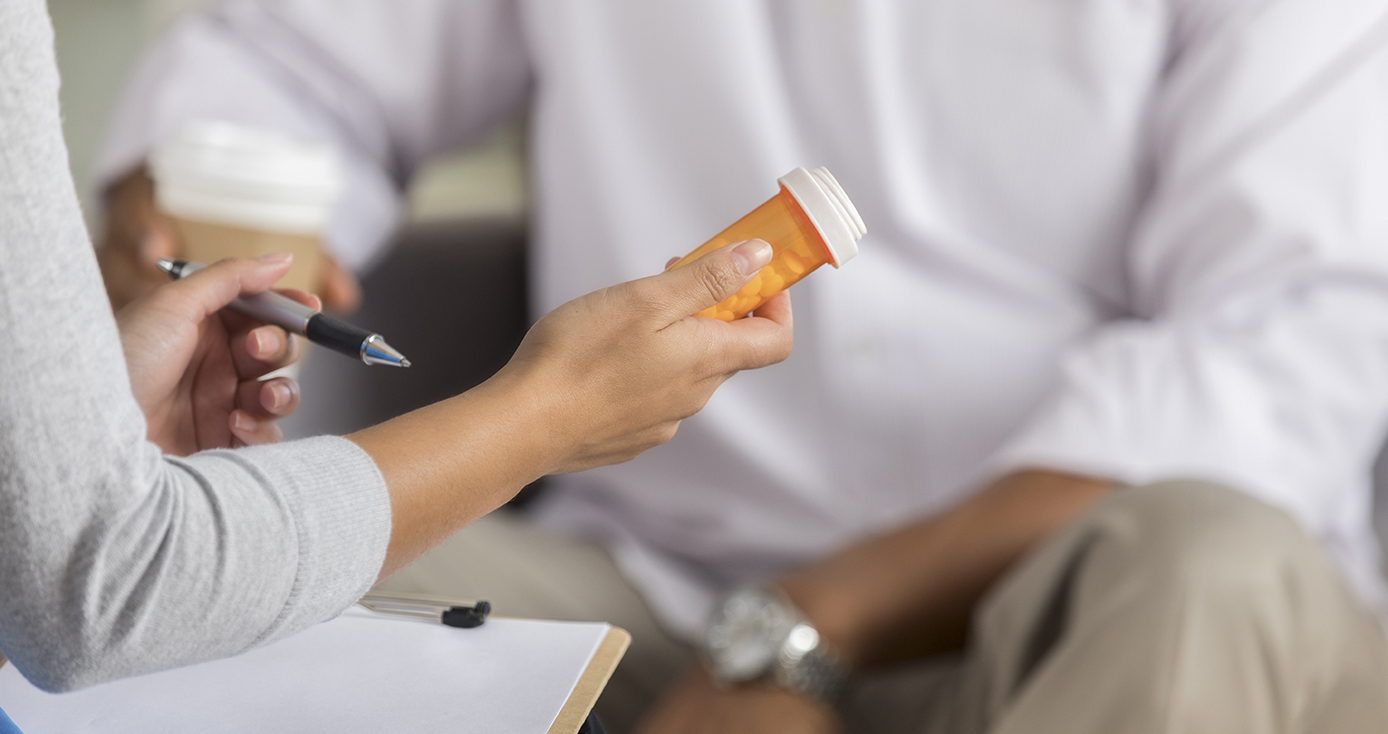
(809,223)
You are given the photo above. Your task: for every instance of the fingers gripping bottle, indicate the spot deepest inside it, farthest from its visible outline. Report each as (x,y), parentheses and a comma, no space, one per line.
(809,223)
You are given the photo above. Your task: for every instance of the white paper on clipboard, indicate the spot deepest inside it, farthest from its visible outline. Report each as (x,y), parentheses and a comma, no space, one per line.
(361,672)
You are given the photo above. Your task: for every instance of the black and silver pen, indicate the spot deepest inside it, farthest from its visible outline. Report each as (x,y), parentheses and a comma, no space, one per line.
(316,326)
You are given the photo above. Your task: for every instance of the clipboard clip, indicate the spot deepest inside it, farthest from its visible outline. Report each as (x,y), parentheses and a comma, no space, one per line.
(462,615)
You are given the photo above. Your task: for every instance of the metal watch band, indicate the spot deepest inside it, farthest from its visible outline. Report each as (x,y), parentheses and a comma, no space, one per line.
(798,659)
(808,667)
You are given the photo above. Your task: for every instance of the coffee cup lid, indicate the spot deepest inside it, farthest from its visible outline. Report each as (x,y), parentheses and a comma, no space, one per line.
(238,175)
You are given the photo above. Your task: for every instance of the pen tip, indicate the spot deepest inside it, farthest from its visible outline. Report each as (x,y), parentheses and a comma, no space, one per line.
(375,351)
(165,264)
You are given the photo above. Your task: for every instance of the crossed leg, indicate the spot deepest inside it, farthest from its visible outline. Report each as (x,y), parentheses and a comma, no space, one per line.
(1178,607)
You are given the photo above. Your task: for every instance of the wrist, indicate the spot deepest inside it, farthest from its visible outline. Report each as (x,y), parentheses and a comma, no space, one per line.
(832,613)
(757,635)
(535,408)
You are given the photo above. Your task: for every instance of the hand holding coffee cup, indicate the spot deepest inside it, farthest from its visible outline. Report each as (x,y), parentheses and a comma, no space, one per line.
(223,190)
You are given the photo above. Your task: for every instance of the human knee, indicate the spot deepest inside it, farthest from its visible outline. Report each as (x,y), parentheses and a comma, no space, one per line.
(1203,534)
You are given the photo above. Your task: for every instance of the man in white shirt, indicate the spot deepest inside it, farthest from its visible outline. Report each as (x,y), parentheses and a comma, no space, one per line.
(1109,244)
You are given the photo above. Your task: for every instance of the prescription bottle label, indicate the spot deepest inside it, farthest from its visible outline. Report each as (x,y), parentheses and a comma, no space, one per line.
(810,222)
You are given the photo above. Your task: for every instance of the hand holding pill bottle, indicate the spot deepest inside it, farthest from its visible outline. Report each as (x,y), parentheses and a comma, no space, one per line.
(809,223)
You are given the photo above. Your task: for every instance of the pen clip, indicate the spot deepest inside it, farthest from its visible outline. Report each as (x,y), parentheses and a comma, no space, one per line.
(451,612)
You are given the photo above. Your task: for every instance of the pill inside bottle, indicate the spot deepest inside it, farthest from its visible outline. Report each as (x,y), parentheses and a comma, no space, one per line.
(810,222)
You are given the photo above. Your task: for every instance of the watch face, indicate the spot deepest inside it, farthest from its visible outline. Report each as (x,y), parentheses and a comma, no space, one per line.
(745,635)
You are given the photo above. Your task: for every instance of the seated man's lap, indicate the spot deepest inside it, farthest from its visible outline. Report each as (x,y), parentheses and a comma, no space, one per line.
(1080,627)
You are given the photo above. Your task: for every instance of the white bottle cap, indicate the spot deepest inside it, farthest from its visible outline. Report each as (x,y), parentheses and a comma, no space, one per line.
(828,207)
(241,176)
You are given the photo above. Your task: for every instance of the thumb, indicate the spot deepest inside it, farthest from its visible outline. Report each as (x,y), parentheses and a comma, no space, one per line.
(692,287)
(209,290)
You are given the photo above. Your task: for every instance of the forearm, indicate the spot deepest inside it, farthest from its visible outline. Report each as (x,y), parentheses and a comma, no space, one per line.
(452,462)
(910,593)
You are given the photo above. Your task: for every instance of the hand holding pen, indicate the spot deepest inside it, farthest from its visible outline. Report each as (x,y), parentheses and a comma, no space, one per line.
(295,317)
(202,373)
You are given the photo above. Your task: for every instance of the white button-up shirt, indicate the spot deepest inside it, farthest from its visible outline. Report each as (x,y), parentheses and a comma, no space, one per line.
(1138,240)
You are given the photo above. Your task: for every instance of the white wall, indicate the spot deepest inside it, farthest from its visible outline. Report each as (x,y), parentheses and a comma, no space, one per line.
(97,43)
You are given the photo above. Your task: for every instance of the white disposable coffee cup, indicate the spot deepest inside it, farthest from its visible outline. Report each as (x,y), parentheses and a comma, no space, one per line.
(238,191)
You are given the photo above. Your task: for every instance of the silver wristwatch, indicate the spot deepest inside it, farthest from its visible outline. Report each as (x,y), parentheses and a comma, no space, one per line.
(755,633)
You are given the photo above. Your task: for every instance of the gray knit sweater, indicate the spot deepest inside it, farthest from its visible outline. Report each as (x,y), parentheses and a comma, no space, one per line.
(115,560)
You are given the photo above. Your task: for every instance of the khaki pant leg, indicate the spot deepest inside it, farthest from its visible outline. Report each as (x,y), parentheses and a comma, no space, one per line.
(1179,607)
(531,572)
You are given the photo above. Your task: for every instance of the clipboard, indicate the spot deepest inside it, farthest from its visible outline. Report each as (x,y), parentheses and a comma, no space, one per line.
(590,684)
(601,645)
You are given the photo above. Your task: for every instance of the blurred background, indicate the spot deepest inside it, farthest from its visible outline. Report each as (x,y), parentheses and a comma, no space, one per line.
(462,246)
(99,42)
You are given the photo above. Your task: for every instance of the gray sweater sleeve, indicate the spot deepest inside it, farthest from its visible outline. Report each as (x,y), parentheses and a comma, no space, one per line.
(115,560)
